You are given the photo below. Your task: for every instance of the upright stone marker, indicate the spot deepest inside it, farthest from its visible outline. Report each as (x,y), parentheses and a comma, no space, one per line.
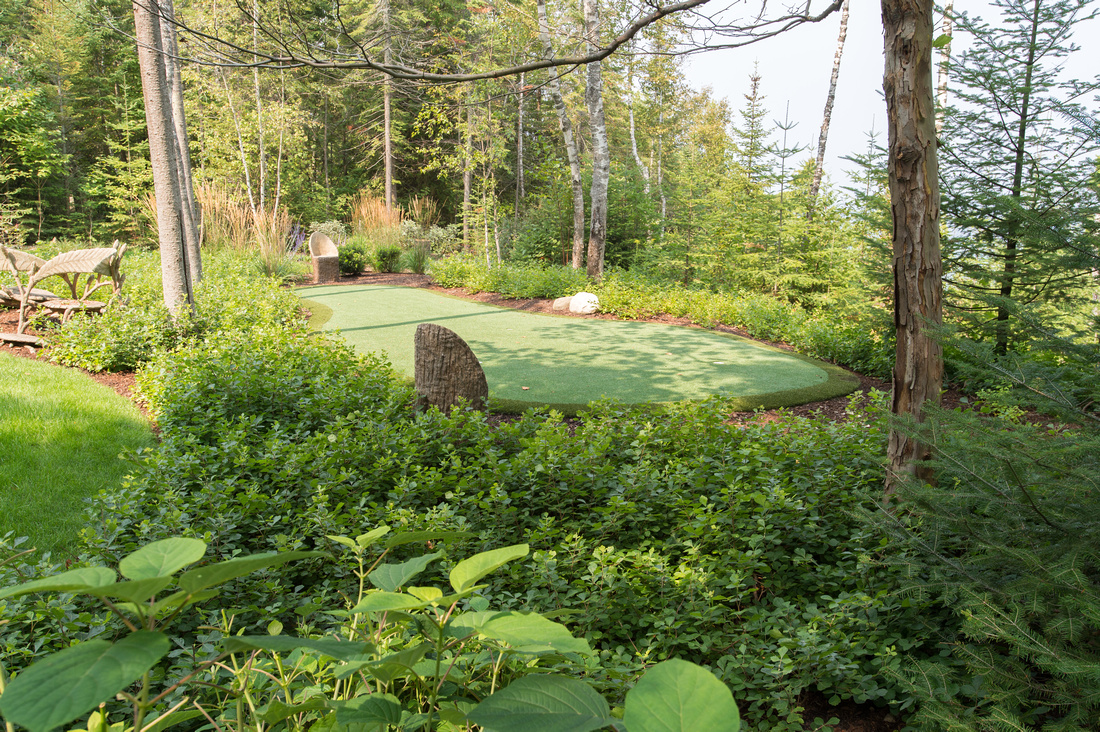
(446,370)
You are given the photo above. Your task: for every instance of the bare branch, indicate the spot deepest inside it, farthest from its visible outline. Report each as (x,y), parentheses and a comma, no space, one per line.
(291,51)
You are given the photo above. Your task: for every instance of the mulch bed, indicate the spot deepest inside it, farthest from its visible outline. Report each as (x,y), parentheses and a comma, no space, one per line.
(853,717)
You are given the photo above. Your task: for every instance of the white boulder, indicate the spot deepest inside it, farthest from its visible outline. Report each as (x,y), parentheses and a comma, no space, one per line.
(584,303)
(562,303)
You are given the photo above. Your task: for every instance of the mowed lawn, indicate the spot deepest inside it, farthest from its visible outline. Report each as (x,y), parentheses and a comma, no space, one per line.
(566,362)
(61,437)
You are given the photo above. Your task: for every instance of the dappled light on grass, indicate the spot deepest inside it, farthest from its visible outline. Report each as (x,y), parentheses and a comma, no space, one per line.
(61,437)
(570,361)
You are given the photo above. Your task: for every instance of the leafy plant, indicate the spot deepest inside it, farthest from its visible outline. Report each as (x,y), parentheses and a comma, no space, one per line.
(416,259)
(403,659)
(386,258)
(75,681)
(353,257)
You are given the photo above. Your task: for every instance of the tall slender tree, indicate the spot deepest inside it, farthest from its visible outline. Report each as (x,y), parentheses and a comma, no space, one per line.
(915,206)
(176,266)
(571,152)
(827,118)
(601,155)
(1022,145)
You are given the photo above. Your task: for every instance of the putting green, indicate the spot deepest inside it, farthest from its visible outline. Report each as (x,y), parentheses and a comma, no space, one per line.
(566,362)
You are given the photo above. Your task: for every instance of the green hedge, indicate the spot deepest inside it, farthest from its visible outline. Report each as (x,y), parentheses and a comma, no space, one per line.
(230,298)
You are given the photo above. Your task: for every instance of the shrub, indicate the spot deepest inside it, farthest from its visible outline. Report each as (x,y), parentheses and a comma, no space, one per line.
(675,534)
(386,258)
(335,230)
(230,298)
(1008,541)
(353,257)
(416,259)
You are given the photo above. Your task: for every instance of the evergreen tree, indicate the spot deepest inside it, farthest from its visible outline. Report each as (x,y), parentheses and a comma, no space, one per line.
(1015,166)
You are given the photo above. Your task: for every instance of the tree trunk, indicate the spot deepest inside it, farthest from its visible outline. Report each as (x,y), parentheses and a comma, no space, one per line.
(915,205)
(519,145)
(163,152)
(192,214)
(570,142)
(468,173)
(633,138)
(601,156)
(945,63)
(240,142)
(260,153)
(1012,242)
(387,115)
(819,168)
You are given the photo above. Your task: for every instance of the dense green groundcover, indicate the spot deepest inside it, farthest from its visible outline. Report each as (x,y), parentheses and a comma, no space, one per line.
(534,360)
(670,532)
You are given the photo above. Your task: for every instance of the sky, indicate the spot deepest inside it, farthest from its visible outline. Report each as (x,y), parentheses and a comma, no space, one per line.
(795,67)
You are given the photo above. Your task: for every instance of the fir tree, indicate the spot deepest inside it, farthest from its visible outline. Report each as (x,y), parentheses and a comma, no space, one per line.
(1015,164)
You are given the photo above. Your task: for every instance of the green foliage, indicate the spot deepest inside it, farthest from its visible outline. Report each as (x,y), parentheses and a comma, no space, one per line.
(1008,541)
(229,299)
(335,230)
(386,258)
(508,278)
(1022,216)
(416,259)
(673,534)
(263,380)
(353,257)
(400,659)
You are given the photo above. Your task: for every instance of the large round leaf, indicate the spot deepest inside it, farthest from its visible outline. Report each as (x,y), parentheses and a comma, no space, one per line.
(72,682)
(543,704)
(161,558)
(467,572)
(677,696)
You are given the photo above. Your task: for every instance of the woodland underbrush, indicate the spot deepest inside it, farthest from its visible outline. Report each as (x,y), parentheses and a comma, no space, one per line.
(654,534)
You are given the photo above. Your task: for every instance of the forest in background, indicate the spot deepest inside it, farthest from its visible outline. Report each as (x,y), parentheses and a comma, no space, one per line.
(697,193)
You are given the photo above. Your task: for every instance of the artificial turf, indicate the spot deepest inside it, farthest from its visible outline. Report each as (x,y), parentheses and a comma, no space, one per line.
(565,362)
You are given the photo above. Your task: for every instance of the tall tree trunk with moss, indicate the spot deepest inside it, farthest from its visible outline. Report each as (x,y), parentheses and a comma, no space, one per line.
(571,153)
(601,156)
(915,205)
(819,167)
(164,159)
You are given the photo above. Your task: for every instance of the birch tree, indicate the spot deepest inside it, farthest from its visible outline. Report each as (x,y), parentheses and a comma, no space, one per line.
(601,155)
(571,153)
(178,271)
(819,167)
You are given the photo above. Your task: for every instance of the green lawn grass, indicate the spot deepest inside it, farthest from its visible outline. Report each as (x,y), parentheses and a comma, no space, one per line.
(61,436)
(566,362)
